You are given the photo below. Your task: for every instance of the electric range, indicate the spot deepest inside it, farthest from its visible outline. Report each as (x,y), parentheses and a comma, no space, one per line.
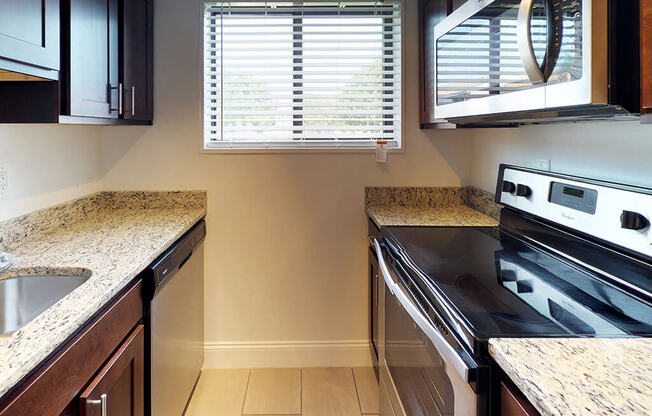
(572,257)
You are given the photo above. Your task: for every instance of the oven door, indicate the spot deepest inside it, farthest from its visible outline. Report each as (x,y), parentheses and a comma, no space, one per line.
(421,374)
(501,56)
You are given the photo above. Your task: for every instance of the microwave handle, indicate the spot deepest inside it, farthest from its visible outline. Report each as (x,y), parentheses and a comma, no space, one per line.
(525,45)
(535,72)
(438,340)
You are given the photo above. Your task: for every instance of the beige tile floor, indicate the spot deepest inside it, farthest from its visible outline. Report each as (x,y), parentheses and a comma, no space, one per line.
(286,391)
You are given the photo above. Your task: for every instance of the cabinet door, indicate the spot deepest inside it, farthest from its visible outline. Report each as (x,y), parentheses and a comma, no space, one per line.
(513,403)
(646,60)
(456,3)
(29,34)
(138,59)
(118,389)
(431,12)
(94,60)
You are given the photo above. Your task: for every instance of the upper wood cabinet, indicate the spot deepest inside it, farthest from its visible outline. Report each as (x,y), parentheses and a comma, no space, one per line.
(29,37)
(646,60)
(109,53)
(106,58)
(431,12)
(454,4)
(137,58)
(93,59)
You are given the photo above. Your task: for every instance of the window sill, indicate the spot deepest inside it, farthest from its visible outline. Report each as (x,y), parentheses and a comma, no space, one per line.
(289,150)
(243,148)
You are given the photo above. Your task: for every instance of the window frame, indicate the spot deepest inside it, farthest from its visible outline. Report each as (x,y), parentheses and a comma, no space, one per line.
(288,147)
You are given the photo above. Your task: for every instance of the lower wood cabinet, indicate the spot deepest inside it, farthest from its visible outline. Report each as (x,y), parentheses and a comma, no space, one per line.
(118,388)
(513,402)
(104,359)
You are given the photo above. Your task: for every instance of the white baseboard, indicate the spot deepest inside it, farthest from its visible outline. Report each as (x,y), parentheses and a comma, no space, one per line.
(287,354)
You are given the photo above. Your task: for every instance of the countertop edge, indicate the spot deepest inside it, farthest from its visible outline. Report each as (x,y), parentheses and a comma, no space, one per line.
(522,385)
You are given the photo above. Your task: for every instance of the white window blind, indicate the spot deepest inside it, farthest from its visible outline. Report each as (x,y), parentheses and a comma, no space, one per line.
(302,74)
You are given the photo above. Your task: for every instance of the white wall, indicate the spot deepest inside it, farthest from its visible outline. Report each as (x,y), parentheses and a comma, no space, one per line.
(614,151)
(48,165)
(286,263)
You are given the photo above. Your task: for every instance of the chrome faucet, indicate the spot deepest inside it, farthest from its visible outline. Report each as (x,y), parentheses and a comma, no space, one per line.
(7,261)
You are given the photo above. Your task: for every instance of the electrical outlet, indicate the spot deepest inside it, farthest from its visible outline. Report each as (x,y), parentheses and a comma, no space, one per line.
(4,181)
(542,164)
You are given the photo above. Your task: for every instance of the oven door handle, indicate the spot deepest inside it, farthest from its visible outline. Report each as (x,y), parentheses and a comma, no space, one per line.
(438,340)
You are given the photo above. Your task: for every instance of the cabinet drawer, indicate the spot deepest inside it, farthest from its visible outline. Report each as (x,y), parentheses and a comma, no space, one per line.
(513,403)
(118,388)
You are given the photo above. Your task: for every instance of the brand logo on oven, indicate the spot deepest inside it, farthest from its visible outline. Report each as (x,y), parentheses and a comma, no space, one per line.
(566,216)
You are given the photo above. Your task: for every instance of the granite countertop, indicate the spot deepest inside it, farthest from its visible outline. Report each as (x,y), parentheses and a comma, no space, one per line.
(110,235)
(431,206)
(580,376)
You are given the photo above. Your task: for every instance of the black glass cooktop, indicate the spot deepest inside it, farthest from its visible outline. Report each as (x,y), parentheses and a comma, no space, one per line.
(499,286)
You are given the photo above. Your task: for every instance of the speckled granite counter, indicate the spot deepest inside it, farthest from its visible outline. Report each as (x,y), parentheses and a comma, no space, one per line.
(431,206)
(112,235)
(563,377)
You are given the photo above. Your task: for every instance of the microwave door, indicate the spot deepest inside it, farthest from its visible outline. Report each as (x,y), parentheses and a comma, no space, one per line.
(479,69)
(580,75)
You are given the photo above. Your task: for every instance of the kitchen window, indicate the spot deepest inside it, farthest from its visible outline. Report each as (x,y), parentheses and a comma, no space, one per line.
(311,74)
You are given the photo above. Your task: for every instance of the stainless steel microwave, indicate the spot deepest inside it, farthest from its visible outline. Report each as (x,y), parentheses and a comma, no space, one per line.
(537,60)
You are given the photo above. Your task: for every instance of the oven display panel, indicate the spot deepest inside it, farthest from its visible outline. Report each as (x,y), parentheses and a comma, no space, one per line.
(574,197)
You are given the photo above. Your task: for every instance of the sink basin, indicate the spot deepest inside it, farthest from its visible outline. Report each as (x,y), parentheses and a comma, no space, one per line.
(23,298)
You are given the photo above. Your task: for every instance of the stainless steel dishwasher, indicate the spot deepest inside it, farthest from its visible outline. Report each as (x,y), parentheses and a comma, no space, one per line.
(174,315)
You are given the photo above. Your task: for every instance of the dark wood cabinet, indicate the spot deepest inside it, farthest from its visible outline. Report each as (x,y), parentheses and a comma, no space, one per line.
(431,12)
(29,37)
(100,357)
(454,4)
(109,73)
(513,403)
(646,60)
(92,72)
(106,71)
(138,57)
(119,385)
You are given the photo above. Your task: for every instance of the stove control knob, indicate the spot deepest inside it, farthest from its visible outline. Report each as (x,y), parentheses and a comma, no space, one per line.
(523,190)
(631,220)
(508,275)
(509,187)
(524,286)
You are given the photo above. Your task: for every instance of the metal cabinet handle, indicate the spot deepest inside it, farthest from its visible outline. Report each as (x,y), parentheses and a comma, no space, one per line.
(133,100)
(120,108)
(101,402)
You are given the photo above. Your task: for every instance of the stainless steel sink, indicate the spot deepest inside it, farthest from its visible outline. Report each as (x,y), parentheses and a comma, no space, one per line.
(23,298)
